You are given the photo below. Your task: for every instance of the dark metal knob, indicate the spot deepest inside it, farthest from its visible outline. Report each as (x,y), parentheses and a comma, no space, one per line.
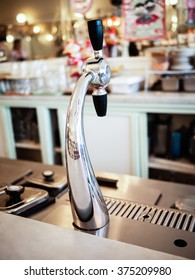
(14,191)
(48,175)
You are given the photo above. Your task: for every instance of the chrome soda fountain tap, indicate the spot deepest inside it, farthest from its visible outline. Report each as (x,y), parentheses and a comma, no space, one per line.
(89,210)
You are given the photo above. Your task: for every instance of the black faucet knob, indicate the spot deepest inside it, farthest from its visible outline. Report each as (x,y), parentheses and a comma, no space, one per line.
(14,191)
(48,175)
(95,29)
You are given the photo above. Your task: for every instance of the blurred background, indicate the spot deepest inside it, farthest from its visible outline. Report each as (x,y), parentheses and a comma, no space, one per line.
(45,26)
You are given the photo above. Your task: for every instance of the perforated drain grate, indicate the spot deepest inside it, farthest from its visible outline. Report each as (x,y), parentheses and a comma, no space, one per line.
(152,214)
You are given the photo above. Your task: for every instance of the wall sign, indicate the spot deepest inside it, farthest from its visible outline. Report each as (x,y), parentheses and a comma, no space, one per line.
(143,19)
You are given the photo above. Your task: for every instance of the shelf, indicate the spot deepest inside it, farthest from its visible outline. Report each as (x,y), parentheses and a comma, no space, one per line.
(182,166)
(155,78)
(27,144)
(171,72)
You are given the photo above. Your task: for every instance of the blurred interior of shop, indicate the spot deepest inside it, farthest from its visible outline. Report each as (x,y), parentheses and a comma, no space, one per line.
(45,26)
(152,61)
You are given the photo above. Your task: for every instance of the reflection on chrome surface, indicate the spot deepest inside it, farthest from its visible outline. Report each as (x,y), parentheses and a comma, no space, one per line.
(87,203)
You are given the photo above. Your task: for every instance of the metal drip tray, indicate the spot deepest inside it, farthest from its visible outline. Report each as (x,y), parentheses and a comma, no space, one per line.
(166,217)
(28,200)
(157,228)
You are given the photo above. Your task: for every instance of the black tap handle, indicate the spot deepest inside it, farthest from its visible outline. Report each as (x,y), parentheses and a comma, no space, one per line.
(100,101)
(100,104)
(95,28)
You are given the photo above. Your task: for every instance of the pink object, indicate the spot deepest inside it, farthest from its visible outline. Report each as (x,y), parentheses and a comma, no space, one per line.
(191,10)
(190,4)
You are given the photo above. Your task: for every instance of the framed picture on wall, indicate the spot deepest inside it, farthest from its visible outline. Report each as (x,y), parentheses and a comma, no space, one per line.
(143,19)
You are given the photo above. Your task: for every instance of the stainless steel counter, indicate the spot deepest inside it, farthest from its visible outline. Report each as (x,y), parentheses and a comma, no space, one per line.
(33,240)
(138,240)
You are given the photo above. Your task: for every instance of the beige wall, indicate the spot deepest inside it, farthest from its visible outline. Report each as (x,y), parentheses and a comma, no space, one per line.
(43,10)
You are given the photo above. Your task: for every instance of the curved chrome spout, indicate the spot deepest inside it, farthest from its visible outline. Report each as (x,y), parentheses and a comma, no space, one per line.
(88,207)
(87,203)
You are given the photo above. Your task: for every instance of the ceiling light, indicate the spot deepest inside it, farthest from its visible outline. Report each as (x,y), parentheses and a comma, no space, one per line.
(36,29)
(48,37)
(21,18)
(9,38)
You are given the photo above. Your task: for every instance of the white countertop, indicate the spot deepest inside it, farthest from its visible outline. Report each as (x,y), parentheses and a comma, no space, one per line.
(141,102)
(37,240)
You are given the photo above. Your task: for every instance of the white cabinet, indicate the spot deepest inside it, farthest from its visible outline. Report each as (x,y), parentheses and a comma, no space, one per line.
(7,143)
(113,143)
(13,146)
(171,147)
(116,143)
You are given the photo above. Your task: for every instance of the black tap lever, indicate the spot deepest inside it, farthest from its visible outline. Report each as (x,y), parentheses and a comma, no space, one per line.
(95,28)
(100,102)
